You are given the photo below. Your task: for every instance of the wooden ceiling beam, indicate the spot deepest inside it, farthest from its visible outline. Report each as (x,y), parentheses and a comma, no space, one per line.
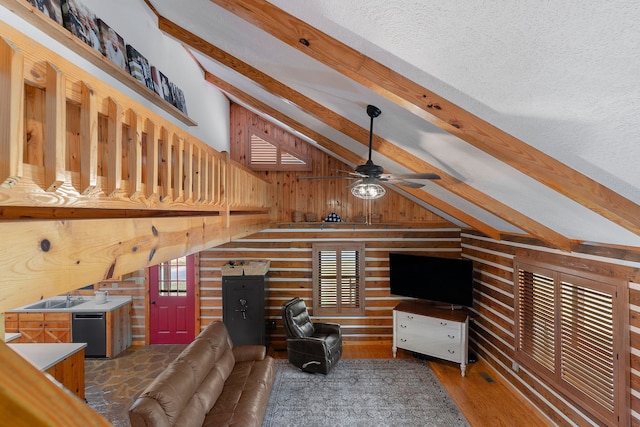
(437,110)
(361,135)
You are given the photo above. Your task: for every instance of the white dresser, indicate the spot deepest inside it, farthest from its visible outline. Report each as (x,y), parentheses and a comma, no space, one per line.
(432,331)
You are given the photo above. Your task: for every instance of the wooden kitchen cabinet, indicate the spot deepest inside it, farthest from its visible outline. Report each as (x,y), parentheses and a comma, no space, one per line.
(11,322)
(39,327)
(57,327)
(119,335)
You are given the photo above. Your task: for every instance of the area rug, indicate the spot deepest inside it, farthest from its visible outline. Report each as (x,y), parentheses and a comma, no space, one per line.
(361,392)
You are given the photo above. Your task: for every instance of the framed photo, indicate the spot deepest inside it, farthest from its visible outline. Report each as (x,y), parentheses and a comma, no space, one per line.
(179,100)
(51,8)
(113,45)
(139,67)
(82,23)
(165,84)
(155,77)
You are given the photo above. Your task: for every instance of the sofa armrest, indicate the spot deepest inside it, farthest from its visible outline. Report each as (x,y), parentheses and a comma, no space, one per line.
(247,353)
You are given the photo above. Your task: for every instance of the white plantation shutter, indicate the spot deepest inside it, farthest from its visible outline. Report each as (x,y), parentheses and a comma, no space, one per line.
(537,317)
(338,279)
(570,329)
(588,356)
(263,153)
(268,154)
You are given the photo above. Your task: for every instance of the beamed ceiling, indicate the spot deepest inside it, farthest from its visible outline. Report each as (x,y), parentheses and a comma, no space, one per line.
(528,112)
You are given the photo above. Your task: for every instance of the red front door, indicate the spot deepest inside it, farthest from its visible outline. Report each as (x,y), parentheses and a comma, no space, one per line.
(171,295)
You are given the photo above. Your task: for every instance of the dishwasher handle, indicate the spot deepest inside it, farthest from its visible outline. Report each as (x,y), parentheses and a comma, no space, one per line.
(88,315)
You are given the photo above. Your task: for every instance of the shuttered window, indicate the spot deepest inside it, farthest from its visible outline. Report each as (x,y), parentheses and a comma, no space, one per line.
(267,154)
(338,279)
(570,329)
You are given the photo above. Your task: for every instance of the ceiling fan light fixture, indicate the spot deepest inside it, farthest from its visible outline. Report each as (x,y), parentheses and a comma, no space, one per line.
(368,191)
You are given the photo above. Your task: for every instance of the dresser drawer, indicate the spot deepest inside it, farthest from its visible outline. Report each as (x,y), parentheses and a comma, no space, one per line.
(442,335)
(422,324)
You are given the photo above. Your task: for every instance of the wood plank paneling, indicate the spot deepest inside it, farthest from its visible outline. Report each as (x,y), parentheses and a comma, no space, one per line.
(492,330)
(320,197)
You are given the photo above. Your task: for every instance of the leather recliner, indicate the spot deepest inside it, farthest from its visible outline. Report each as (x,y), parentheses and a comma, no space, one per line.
(312,347)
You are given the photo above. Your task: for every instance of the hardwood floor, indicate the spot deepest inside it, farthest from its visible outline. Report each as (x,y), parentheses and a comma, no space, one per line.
(482,395)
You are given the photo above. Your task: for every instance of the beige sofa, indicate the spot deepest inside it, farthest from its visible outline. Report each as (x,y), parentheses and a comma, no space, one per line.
(211,383)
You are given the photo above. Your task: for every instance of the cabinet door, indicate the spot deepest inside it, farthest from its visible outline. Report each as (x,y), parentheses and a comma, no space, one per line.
(31,326)
(11,322)
(57,327)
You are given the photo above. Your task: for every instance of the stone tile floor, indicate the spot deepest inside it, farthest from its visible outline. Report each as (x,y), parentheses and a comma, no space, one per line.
(111,385)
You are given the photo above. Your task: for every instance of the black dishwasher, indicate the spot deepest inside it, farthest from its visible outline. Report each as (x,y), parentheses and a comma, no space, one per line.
(92,329)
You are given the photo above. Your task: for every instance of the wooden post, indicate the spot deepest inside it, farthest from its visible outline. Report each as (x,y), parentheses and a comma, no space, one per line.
(114,143)
(165,170)
(135,154)
(153,154)
(88,140)
(178,168)
(55,138)
(12,119)
(189,172)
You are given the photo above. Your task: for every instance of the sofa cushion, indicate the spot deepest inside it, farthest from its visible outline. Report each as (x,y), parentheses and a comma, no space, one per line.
(244,400)
(200,356)
(173,388)
(193,414)
(211,386)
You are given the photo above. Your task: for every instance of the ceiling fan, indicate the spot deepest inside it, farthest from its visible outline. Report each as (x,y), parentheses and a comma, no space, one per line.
(369,176)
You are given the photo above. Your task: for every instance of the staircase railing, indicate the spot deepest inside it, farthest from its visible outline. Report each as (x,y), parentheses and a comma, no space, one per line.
(68,140)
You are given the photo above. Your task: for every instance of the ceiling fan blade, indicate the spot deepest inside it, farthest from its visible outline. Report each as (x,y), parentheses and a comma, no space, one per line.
(426,175)
(402,182)
(329,177)
(353,184)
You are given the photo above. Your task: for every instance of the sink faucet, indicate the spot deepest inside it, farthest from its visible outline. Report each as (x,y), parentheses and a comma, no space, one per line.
(68,296)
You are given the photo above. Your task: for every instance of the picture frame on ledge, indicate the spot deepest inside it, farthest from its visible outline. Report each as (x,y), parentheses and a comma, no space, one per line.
(113,45)
(50,8)
(82,23)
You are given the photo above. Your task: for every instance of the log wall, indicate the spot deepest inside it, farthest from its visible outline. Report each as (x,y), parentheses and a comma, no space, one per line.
(290,275)
(492,330)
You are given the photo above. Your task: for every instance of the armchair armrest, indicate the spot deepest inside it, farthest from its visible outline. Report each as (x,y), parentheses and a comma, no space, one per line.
(309,345)
(327,328)
(247,353)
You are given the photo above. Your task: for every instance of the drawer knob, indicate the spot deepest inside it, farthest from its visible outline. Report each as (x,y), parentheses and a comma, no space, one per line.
(403,326)
(451,336)
(443,323)
(403,340)
(409,317)
(451,351)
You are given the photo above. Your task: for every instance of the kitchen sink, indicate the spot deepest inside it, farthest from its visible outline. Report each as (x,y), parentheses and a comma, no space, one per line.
(54,304)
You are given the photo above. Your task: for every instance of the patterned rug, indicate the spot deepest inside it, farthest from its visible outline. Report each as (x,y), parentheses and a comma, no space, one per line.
(361,392)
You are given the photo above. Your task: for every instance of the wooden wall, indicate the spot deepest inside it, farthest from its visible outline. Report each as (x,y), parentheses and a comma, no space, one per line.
(492,329)
(290,252)
(135,286)
(315,196)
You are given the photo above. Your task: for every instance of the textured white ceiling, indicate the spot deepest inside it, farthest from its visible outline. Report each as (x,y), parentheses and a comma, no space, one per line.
(561,76)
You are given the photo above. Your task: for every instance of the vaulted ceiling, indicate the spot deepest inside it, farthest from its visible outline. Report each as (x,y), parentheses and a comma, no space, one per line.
(529,112)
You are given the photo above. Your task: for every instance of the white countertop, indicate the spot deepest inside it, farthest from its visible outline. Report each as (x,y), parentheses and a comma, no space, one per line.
(44,356)
(89,306)
(10,336)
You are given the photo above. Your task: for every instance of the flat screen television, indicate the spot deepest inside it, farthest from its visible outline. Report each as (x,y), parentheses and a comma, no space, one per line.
(441,280)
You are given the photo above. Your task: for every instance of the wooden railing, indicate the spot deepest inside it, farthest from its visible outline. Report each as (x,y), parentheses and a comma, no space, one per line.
(68,140)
